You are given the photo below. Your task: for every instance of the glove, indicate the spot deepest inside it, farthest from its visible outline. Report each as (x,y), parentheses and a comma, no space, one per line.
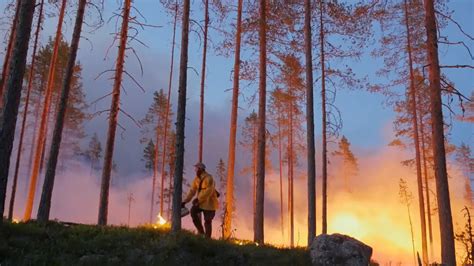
(183,205)
(195,202)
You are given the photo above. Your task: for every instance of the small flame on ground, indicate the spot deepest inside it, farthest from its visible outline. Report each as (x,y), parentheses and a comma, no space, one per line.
(15,221)
(161,220)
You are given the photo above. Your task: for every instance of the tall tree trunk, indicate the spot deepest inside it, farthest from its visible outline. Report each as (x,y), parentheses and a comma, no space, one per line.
(291,172)
(311,159)
(280,162)
(262,102)
(7,59)
(233,128)
(254,169)
(25,112)
(40,142)
(427,185)
(448,254)
(113,117)
(45,202)
(168,103)
(203,78)
(416,141)
(155,170)
(180,121)
(324,123)
(12,97)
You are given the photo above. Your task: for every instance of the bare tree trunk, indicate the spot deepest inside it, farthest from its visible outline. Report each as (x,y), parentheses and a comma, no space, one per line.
(165,134)
(7,59)
(233,127)
(254,169)
(448,254)
(113,117)
(291,173)
(203,78)
(416,141)
(12,97)
(280,161)
(155,171)
(25,113)
(311,160)
(262,102)
(41,139)
(46,195)
(324,128)
(180,121)
(427,185)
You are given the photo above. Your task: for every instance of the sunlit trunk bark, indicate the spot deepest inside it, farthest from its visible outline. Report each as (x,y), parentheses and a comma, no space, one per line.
(233,128)
(46,195)
(416,141)
(448,254)
(41,139)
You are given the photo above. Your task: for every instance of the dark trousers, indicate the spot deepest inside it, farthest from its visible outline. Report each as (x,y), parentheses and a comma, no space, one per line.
(208,216)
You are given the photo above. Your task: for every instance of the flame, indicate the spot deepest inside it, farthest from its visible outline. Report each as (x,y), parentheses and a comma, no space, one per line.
(161,221)
(15,221)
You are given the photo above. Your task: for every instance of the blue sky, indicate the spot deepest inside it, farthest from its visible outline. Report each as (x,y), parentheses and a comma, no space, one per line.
(367,122)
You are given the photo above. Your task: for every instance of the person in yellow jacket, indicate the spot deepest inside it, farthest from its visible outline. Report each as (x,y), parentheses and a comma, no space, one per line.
(205,202)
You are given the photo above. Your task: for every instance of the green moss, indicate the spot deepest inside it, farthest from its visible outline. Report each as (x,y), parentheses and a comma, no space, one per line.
(59,244)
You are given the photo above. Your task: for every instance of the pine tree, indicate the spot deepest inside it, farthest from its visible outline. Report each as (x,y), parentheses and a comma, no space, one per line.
(113,116)
(45,202)
(350,167)
(94,152)
(41,138)
(12,97)
(466,162)
(230,205)
(262,102)
(149,156)
(222,177)
(9,50)
(25,112)
(406,197)
(448,254)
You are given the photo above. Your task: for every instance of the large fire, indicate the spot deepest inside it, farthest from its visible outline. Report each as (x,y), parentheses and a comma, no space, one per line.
(370,212)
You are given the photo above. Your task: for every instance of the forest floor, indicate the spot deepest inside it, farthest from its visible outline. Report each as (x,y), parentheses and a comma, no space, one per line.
(71,244)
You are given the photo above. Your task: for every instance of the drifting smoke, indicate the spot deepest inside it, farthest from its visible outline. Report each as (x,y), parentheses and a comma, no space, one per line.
(370,211)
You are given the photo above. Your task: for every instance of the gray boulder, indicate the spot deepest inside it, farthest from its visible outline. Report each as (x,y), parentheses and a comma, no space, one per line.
(339,250)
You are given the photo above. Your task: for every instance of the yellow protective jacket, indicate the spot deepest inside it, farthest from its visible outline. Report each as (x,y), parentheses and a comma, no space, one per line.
(206,195)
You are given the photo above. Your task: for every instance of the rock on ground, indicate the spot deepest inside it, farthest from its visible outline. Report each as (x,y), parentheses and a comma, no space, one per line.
(339,250)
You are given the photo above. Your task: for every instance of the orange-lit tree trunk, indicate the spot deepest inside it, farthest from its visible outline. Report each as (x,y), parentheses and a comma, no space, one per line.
(416,141)
(291,170)
(155,169)
(6,60)
(113,116)
(12,97)
(46,195)
(254,168)
(324,123)
(233,127)
(180,121)
(448,254)
(426,179)
(311,160)
(40,141)
(168,102)
(262,102)
(25,112)
(203,79)
(280,167)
